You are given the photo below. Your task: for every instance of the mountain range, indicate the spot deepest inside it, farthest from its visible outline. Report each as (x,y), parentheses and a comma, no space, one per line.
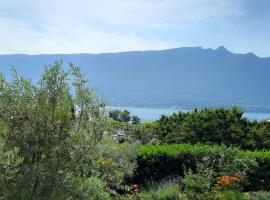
(184,77)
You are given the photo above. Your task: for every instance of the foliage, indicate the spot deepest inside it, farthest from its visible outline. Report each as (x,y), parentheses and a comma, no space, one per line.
(156,162)
(229,182)
(197,186)
(116,124)
(123,116)
(55,136)
(166,191)
(114,161)
(142,132)
(176,149)
(214,177)
(135,120)
(260,178)
(213,126)
(115,114)
(52,143)
(260,195)
(230,162)
(231,195)
(91,188)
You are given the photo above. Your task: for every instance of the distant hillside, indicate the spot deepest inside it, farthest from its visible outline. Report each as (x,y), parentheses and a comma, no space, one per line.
(182,77)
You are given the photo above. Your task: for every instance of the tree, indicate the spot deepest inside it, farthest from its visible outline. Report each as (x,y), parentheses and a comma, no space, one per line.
(213,126)
(143,132)
(125,116)
(115,114)
(46,150)
(135,120)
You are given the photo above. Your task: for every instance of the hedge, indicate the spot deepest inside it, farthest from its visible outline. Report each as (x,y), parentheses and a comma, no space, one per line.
(176,149)
(158,162)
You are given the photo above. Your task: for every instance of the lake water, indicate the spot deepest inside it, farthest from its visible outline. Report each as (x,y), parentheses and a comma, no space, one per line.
(151,114)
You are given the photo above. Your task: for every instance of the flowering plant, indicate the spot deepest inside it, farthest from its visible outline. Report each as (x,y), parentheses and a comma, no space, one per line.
(229,182)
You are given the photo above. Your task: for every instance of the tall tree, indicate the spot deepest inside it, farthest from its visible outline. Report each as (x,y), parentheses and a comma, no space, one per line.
(115,114)
(135,120)
(125,116)
(45,148)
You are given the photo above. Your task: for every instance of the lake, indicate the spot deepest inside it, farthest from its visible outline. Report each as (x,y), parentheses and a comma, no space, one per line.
(151,114)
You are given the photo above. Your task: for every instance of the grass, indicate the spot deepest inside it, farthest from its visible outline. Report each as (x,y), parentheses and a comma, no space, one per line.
(167,191)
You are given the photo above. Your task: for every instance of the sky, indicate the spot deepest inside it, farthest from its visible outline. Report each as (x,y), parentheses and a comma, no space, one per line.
(98,26)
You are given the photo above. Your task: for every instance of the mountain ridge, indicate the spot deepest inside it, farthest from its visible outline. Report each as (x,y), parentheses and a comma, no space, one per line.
(222,47)
(183,77)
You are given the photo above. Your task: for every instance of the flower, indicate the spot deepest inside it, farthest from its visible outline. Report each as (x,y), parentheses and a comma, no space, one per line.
(224,181)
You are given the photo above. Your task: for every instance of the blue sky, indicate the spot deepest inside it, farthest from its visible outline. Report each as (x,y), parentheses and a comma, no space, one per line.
(95,26)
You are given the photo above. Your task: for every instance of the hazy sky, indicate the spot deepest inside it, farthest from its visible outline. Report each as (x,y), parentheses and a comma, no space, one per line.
(94,26)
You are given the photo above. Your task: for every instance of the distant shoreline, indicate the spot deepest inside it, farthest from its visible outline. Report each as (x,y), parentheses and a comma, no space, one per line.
(152,114)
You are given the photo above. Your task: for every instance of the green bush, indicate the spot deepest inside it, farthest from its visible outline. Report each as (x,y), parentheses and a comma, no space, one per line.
(213,126)
(196,186)
(113,161)
(52,143)
(167,191)
(232,195)
(91,188)
(260,195)
(176,149)
(143,132)
(156,162)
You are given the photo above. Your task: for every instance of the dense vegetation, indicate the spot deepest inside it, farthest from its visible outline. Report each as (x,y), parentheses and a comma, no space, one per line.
(206,126)
(52,142)
(123,116)
(156,162)
(212,143)
(176,149)
(59,141)
(214,126)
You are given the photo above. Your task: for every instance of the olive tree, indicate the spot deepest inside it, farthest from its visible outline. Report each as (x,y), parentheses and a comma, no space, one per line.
(49,133)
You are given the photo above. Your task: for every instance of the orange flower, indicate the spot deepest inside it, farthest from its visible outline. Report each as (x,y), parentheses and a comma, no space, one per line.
(224,181)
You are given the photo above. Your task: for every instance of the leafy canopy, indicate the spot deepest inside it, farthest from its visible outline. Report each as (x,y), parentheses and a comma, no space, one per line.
(48,132)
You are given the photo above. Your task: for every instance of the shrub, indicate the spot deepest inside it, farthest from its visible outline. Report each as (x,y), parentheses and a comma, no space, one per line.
(91,188)
(260,178)
(156,162)
(113,161)
(167,191)
(142,132)
(52,143)
(213,126)
(231,195)
(176,149)
(229,182)
(196,186)
(260,195)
